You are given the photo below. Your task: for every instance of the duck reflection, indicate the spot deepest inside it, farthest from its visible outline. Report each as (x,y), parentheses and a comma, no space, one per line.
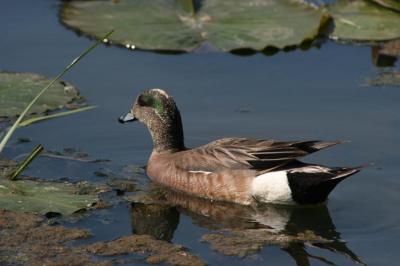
(157,220)
(242,230)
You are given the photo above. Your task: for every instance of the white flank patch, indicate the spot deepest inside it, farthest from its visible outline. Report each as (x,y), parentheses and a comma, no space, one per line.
(202,172)
(272,187)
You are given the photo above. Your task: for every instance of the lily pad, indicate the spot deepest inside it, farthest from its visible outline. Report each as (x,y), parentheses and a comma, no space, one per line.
(42,197)
(18,89)
(391,4)
(363,21)
(170,25)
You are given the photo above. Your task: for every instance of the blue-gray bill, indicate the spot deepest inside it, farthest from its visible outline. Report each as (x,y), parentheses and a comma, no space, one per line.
(127,118)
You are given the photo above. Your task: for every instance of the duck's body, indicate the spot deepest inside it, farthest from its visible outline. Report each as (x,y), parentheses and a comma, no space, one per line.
(239,170)
(247,171)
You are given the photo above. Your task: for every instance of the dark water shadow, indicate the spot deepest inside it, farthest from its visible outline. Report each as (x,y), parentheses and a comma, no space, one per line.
(290,228)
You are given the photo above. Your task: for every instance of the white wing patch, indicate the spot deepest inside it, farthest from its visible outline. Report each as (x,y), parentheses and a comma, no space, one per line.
(272,187)
(346,173)
(311,169)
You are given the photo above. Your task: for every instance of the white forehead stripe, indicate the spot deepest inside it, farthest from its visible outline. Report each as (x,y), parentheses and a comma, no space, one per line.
(162,92)
(272,187)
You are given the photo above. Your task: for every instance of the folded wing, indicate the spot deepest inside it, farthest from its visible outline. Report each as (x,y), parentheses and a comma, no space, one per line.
(242,153)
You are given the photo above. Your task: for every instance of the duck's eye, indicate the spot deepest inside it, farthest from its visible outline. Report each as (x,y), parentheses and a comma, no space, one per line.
(145,100)
(150,101)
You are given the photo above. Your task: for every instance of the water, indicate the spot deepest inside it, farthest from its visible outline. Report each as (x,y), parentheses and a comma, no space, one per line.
(318,94)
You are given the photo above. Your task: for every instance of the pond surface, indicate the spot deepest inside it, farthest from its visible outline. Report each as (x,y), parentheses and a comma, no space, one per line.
(317,94)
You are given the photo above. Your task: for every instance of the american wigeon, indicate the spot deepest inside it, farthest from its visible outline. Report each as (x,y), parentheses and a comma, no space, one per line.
(237,170)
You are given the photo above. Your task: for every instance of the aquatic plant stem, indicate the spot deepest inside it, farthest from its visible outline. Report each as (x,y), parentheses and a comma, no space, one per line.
(21,116)
(41,118)
(21,167)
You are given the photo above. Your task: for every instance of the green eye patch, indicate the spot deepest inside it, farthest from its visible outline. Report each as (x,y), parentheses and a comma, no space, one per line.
(149,100)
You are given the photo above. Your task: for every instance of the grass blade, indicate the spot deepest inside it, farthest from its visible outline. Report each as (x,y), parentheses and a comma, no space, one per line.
(40,118)
(26,162)
(76,60)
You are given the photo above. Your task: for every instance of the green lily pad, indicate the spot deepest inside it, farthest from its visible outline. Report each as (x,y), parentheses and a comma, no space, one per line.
(18,89)
(362,21)
(42,197)
(170,25)
(391,4)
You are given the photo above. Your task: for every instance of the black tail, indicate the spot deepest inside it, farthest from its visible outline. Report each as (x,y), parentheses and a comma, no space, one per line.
(313,183)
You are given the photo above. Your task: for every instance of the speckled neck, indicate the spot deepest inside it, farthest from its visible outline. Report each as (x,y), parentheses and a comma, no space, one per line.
(167,133)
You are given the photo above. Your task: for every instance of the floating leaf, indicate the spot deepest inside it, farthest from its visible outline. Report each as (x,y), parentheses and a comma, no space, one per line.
(391,4)
(42,197)
(362,21)
(18,89)
(170,25)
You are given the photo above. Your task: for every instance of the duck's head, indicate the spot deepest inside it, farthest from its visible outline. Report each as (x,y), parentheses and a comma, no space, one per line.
(158,111)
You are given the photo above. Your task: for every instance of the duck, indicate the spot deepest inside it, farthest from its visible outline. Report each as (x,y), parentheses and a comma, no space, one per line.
(240,170)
